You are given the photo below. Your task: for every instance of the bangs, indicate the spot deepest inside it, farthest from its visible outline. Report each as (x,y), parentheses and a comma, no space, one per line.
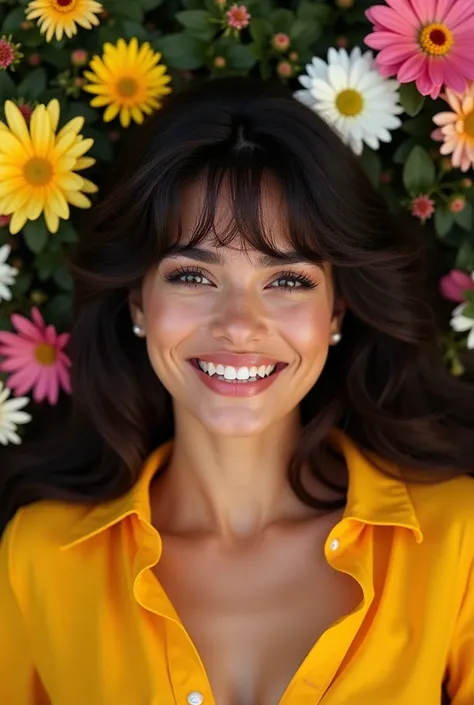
(241,175)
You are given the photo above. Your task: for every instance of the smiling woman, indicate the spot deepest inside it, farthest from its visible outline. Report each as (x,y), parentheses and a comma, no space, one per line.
(262,493)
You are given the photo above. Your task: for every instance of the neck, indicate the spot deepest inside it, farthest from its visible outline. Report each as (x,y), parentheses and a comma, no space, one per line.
(226,487)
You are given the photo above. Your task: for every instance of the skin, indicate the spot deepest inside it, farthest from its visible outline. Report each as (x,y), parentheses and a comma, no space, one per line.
(227,476)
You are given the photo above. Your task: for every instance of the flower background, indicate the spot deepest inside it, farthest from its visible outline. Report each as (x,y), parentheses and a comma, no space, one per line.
(394,77)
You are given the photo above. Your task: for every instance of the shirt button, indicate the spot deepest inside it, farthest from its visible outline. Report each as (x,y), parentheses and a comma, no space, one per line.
(195,698)
(334,544)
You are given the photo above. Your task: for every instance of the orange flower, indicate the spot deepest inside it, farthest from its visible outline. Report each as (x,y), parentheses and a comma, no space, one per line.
(457,128)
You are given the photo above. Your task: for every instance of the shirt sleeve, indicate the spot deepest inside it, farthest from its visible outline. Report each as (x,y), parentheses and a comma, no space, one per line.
(460,681)
(19,682)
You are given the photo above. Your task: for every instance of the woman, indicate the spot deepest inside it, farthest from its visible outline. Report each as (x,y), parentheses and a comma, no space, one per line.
(262,496)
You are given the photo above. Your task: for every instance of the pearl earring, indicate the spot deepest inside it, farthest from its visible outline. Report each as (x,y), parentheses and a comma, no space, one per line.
(137,330)
(336,338)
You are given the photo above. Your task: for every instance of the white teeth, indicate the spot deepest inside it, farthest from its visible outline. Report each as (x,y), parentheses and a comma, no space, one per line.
(231,373)
(243,373)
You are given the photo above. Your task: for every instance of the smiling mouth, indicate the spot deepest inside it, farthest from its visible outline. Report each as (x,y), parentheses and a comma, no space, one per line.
(237,375)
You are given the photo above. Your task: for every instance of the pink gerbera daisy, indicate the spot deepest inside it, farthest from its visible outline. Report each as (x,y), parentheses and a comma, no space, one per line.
(427,41)
(35,358)
(422,207)
(238,17)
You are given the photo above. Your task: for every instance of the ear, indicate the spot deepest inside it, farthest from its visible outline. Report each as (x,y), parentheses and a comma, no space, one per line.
(136,309)
(338,313)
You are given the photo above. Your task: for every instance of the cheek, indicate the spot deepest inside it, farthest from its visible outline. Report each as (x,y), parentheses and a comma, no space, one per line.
(307,326)
(170,319)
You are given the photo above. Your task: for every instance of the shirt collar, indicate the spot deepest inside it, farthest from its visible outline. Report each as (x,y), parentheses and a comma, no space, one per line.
(373,497)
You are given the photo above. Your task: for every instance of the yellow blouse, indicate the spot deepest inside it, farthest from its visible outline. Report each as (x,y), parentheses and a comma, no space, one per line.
(84,621)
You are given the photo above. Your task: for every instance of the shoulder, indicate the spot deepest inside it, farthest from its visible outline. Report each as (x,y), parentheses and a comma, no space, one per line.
(451,501)
(41,528)
(445,512)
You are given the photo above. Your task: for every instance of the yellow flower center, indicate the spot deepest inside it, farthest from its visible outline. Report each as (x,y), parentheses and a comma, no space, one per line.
(349,102)
(127,87)
(64,5)
(37,171)
(45,354)
(436,39)
(469,124)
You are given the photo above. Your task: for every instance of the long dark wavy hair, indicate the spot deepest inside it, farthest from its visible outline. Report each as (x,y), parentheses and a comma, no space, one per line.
(385,384)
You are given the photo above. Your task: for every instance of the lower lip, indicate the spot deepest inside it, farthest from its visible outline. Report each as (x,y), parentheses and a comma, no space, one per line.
(234,388)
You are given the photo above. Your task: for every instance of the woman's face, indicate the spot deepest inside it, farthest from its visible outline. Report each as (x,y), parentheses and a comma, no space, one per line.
(236,338)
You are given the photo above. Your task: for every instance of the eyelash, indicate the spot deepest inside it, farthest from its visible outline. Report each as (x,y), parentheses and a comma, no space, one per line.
(304,281)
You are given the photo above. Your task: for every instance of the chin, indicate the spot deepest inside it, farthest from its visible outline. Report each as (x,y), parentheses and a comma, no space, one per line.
(235,423)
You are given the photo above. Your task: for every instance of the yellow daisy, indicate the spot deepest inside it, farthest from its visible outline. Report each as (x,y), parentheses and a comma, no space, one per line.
(127,80)
(37,166)
(56,17)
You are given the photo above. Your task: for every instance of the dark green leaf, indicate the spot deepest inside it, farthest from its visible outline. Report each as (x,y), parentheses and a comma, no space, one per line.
(58,310)
(418,127)
(469,295)
(419,172)
(45,264)
(55,56)
(465,256)
(78,109)
(63,279)
(102,148)
(32,38)
(411,99)
(133,29)
(372,165)
(182,51)
(126,9)
(403,150)
(13,20)
(240,57)
(109,33)
(35,234)
(22,284)
(7,88)
(148,5)
(33,85)
(469,311)
(192,4)
(66,232)
(197,23)
(260,30)
(282,19)
(464,218)
(443,221)
(310,11)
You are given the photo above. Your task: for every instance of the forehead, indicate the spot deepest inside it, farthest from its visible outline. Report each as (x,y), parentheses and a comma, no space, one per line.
(268,207)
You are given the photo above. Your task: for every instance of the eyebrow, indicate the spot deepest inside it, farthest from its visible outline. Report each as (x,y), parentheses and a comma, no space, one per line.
(198,254)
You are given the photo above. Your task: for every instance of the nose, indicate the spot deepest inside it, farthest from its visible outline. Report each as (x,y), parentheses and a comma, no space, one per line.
(239,320)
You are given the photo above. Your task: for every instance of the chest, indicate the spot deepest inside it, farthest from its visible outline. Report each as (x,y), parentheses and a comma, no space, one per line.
(255,612)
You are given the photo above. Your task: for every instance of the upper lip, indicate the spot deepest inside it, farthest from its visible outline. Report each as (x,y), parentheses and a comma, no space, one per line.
(237,359)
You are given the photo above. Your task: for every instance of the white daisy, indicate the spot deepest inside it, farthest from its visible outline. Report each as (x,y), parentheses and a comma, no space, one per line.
(461,324)
(7,273)
(11,416)
(349,94)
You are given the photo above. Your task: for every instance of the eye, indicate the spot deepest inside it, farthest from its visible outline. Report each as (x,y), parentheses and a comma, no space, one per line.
(188,276)
(286,283)
(290,281)
(193,279)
